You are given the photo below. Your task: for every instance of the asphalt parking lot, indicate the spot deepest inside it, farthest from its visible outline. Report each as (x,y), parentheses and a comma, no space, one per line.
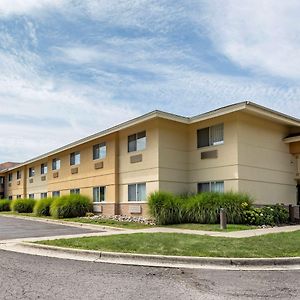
(13,228)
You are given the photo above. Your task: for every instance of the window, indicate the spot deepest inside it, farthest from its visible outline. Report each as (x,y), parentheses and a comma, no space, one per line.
(31,172)
(9,197)
(137,142)
(99,194)
(10,176)
(19,174)
(55,193)
(210,136)
(213,186)
(75,191)
(31,196)
(44,195)
(75,158)
(55,164)
(137,192)
(19,196)
(99,151)
(44,169)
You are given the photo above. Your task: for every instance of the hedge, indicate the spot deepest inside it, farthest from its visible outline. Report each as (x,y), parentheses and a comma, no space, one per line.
(42,207)
(5,205)
(22,205)
(71,206)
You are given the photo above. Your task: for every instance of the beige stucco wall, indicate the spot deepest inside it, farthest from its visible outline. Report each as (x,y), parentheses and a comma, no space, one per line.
(143,171)
(37,186)
(224,167)
(266,168)
(16,187)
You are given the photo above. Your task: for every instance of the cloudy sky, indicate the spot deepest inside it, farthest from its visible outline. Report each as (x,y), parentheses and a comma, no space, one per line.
(70,68)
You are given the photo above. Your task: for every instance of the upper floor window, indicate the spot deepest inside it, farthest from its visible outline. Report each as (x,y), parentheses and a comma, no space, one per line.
(55,164)
(210,136)
(44,169)
(212,186)
(99,194)
(137,192)
(10,176)
(75,191)
(99,151)
(137,142)
(75,158)
(31,172)
(19,174)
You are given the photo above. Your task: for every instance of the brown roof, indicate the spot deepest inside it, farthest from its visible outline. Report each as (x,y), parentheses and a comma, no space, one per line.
(7,165)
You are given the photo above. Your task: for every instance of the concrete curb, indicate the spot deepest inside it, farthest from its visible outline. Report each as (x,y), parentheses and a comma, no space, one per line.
(164,260)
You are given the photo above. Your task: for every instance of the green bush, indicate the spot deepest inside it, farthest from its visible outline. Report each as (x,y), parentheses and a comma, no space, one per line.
(71,206)
(42,207)
(201,208)
(267,215)
(5,205)
(22,205)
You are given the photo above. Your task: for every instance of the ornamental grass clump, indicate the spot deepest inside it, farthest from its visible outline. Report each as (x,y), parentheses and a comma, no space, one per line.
(71,206)
(42,207)
(22,205)
(201,208)
(5,205)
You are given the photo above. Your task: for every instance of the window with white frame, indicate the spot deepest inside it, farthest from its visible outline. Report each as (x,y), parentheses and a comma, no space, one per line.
(75,158)
(44,169)
(56,194)
(31,196)
(210,136)
(44,195)
(31,172)
(211,186)
(99,194)
(74,191)
(55,164)
(99,151)
(137,142)
(137,192)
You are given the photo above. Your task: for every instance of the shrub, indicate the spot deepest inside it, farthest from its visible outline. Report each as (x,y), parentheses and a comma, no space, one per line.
(22,205)
(267,215)
(5,205)
(42,207)
(71,206)
(201,208)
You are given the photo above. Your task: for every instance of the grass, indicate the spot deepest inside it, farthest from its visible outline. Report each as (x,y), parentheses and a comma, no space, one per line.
(271,245)
(132,225)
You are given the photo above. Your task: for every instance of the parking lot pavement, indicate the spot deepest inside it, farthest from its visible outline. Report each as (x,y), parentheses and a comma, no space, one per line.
(13,228)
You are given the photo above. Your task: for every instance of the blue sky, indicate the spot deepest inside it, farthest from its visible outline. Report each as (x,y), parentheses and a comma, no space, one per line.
(70,68)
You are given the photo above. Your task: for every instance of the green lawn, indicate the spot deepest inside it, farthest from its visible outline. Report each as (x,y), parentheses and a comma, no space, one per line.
(271,245)
(212,227)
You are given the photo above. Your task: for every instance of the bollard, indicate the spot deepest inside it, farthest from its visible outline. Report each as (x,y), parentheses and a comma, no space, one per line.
(223,220)
(291,213)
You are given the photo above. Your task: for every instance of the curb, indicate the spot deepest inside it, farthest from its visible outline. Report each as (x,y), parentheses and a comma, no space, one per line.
(165,260)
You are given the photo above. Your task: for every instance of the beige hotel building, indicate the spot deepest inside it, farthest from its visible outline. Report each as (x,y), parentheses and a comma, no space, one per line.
(243,147)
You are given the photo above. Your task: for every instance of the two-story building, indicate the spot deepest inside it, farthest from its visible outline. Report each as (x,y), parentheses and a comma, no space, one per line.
(243,147)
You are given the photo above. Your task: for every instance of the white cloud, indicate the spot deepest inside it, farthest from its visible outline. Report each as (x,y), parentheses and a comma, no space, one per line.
(262,35)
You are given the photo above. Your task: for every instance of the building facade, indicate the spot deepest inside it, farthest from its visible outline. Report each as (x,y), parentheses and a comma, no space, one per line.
(243,147)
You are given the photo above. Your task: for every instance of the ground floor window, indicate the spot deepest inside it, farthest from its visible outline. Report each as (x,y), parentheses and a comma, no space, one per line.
(211,186)
(9,197)
(19,196)
(75,191)
(99,194)
(137,192)
(56,194)
(31,196)
(43,195)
